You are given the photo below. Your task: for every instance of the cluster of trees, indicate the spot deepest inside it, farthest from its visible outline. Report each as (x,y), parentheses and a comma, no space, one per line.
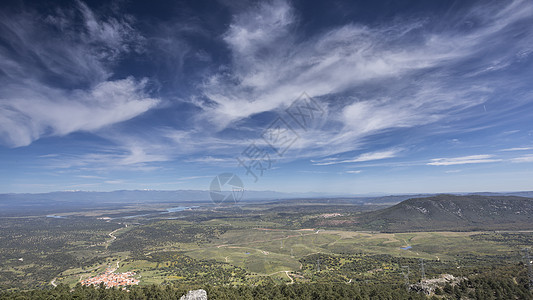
(164,233)
(197,271)
(267,291)
(313,291)
(505,282)
(492,283)
(362,267)
(35,250)
(485,287)
(510,239)
(50,234)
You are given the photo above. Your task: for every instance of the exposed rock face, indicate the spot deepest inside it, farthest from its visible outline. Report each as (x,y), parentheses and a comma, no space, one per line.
(428,286)
(195,295)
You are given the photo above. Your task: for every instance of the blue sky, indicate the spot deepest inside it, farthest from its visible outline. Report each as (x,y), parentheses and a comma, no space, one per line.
(408,96)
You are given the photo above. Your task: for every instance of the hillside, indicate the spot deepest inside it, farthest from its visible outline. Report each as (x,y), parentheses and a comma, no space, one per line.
(451,212)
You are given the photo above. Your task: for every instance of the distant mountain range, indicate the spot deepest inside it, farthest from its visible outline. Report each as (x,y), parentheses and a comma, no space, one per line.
(452,212)
(54,202)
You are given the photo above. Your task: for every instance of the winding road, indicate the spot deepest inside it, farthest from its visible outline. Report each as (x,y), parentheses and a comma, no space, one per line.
(286,273)
(113,238)
(111,234)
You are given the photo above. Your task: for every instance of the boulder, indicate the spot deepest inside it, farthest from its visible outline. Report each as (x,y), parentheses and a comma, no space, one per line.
(195,295)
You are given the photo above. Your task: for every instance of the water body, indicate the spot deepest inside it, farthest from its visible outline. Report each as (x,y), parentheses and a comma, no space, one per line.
(55,217)
(169,210)
(178,208)
(406,247)
(175,209)
(135,216)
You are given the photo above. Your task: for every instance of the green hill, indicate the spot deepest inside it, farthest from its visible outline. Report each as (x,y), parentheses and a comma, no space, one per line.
(450,212)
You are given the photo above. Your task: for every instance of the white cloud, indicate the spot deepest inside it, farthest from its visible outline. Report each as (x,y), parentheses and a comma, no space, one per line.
(361,158)
(430,104)
(193,177)
(118,181)
(253,30)
(130,155)
(523,159)
(272,65)
(57,74)
(138,155)
(90,177)
(214,160)
(518,149)
(354,171)
(31,110)
(375,155)
(472,159)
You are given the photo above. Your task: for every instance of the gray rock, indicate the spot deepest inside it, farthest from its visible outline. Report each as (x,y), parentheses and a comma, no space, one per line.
(195,295)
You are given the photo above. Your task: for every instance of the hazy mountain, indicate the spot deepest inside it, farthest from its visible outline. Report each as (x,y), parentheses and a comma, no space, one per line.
(53,202)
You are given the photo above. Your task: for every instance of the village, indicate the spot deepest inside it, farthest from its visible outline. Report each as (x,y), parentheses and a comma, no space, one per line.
(111,279)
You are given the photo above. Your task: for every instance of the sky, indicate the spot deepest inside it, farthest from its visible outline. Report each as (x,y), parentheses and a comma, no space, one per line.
(339,97)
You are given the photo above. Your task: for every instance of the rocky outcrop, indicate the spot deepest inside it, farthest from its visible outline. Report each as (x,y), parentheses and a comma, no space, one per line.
(428,286)
(195,295)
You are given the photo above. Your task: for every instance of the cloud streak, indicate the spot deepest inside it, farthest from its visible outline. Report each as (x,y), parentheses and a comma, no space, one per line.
(523,159)
(56,80)
(106,92)
(518,149)
(33,110)
(361,158)
(471,159)
(270,68)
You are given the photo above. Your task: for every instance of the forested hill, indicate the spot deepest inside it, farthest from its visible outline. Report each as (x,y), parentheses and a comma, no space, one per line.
(451,212)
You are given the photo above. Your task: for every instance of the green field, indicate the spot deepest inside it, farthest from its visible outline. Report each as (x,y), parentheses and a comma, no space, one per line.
(278,253)
(242,247)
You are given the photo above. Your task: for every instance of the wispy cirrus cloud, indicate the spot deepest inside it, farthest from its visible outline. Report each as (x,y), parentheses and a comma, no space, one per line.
(90,177)
(33,110)
(56,70)
(354,171)
(392,89)
(214,160)
(193,177)
(523,159)
(471,159)
(134,157)
(272,65)
(361,158)
(518,149)
(452,171)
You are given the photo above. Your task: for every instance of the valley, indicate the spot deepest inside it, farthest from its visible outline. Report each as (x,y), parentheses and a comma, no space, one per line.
(279,243)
